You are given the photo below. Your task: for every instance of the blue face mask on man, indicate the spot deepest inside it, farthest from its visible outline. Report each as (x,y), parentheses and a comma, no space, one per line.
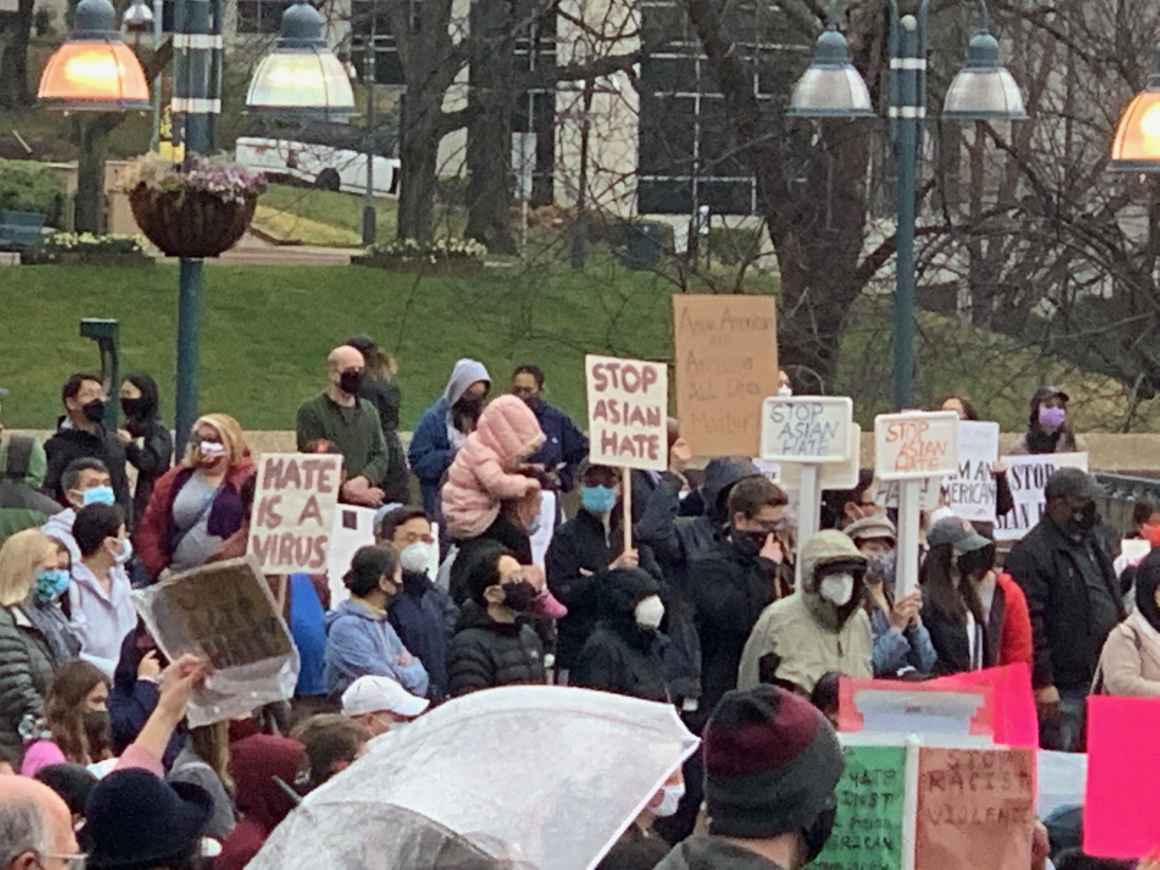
(598,499)
(98,495)
(51,584)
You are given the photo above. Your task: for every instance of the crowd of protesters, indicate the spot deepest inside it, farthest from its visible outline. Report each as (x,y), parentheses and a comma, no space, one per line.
(700,612)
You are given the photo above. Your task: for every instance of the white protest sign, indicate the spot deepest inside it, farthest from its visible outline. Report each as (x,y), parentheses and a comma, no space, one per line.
(930,490)
(807,429)
(293,511)
(832,475)
(1027,476)
(353,527)
(916,444)
(628,403)
(971,492)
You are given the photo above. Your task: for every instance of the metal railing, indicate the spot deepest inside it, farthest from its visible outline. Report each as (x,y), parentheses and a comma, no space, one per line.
(1121,493)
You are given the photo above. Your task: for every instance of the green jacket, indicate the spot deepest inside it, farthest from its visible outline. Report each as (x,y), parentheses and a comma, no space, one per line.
(356,432)
(22,504)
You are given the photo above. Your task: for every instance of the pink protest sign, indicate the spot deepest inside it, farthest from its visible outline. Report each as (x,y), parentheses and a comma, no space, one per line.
(1121,816)
(1015,722)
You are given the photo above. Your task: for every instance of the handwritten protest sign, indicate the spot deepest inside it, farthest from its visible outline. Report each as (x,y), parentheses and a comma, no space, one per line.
(627,412)
(1027,476)
(1121,816)
(975,808)
(353,527)
(294,511)
(832,475)
(809,429)
(726,363)
(868,827)
(223,612)
(971,491)
(886,492)
(916,445)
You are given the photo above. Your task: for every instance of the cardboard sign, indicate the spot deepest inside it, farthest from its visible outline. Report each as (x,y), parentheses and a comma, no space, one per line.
(353,527)
(1121,816)
(628,402)
(726,363)
(1027,476)
(294,508)
(915,445)
(871,796)
(223,612)
(814,429)
(976,808)
(832,475)
(1015,721)
(971,491)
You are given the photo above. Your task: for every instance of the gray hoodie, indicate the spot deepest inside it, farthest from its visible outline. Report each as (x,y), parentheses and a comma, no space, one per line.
(466,372)
(713,853)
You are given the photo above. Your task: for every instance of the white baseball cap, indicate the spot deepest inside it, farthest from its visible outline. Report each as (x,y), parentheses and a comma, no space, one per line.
(374,694)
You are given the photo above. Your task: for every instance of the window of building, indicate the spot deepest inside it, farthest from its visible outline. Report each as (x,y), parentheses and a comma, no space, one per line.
(261,16)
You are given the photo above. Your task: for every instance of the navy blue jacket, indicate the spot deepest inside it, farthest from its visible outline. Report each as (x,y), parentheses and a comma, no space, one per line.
(132,701)
(565,446)
(423,616)
(430,453)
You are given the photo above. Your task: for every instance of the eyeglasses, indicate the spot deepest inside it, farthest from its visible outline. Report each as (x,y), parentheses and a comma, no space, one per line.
(76,861)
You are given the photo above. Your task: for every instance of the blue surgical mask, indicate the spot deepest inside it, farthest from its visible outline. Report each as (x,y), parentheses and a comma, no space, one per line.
(98,495)
(598,499)
(51,584)
(126,552)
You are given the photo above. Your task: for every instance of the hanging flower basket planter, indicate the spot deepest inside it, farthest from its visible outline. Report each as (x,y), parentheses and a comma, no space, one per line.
(202,212)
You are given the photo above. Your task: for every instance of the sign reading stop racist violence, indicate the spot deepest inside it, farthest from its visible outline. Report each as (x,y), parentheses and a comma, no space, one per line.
(810,429)
(871,800)
(1027,476)
(628,402)
(915,445)
(726,364)
(294,506)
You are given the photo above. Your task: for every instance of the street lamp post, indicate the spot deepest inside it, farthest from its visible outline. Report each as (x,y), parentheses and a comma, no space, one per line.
(982,91)
(369,216)
(1136,147)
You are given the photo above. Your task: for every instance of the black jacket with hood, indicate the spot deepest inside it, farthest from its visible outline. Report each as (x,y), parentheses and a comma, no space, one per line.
(484,653)
(70,443)
(621,656)
(154,456)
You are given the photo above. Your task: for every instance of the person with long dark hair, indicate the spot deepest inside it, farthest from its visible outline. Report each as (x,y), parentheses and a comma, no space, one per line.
(147,442)
(76,720)
(1049,428)
(380,388)
(1130,662)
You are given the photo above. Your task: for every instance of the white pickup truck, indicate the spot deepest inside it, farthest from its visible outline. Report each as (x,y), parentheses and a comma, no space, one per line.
(324,166)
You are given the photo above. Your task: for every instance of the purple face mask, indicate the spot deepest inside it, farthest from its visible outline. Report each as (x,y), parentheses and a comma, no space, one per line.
(1051,419)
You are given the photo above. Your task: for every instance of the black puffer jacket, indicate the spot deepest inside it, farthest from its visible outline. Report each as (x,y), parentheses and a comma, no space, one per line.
(485,653)
(26,671)
(69,444)
(620,656)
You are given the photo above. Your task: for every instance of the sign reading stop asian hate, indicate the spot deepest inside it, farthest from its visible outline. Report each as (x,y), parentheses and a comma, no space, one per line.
(726,364)
(915,445)
(809,429)
(294,506)
(868,833)
(1027,477)
(628,402)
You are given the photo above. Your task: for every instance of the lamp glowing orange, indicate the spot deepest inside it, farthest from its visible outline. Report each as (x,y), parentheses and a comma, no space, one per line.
(94,70)
(1137,144)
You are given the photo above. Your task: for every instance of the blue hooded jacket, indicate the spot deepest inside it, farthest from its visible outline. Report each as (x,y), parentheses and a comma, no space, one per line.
(565,446)
(361,641)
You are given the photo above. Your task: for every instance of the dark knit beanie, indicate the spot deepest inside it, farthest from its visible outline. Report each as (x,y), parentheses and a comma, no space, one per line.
(772,763)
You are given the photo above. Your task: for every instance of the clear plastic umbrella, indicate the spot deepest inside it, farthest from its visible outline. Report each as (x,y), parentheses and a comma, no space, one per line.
(535,776)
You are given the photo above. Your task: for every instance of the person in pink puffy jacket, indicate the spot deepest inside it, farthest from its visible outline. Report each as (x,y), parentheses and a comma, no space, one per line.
(486,470)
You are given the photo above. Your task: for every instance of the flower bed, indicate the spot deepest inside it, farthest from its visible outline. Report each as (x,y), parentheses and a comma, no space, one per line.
(88,249)
(440,257)
(199,212)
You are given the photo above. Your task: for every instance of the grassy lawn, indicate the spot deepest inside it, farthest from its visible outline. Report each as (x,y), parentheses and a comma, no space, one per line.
(321,217)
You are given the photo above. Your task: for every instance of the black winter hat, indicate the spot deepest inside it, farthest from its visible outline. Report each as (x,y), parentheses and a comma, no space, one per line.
(623,589)
(772,763)
(134,818)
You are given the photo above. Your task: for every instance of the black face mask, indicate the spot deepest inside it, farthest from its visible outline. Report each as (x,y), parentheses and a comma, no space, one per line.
(1085,519)
(518,596)
(533,402)
(472,407)
(978,562)
(749,544)
(350,382)
(818,833)
(133,408)
(94,411)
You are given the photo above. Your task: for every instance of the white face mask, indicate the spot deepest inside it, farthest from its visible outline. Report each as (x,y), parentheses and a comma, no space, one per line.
(416,557)
(211,449)
(671,799)
(650,612)
(837,588)
(785,391)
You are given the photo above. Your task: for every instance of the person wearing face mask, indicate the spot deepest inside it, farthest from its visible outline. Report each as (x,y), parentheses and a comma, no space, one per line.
(85,482)
(772,764)
(1048,427)
(147,442)
(380,386)
(1130,660)
(582,553)
(196,505)
(1074,603)
(493,644)
(80,434)
(625,654)
(821,627)
(352,424)
(76,720)
(22,503)
(101,611)
(842,507)
(444,428)
(565,447)
(422,613)
(44,610)
(360,639)
(640,847)
(901,641)
(27,660)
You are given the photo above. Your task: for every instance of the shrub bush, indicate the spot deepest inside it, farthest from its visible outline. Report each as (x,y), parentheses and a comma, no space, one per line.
(27,186)
(733,245)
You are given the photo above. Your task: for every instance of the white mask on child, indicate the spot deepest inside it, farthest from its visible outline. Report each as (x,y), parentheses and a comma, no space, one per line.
(650,612)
